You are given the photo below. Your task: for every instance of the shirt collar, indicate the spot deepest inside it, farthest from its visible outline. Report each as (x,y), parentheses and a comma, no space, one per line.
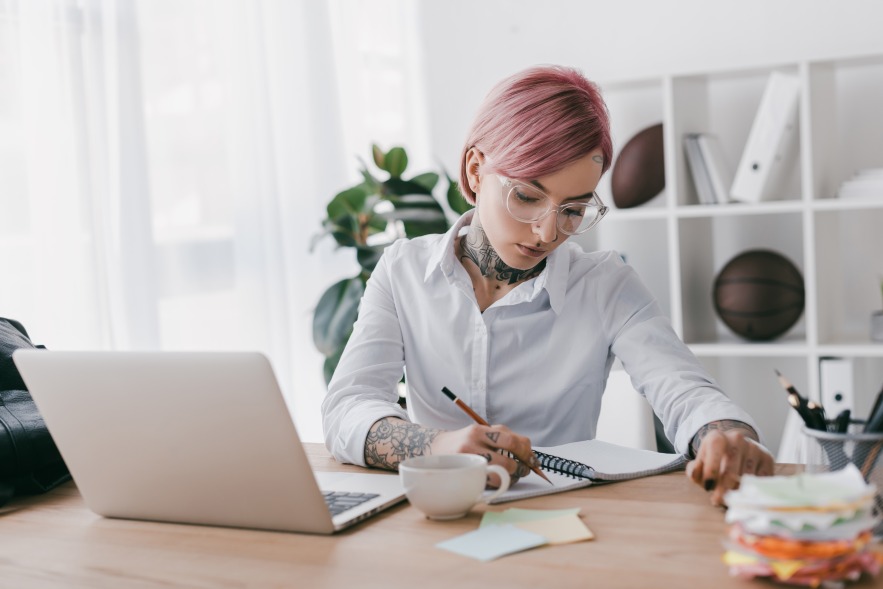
(443,257)
(553,278)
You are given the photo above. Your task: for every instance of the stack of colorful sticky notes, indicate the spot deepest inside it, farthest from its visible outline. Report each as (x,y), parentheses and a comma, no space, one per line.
(806,529)
(515,530)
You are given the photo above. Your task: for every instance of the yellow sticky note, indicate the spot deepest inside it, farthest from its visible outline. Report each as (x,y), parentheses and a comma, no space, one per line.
(559,530)
(515,515)
(736,558)
(785,569)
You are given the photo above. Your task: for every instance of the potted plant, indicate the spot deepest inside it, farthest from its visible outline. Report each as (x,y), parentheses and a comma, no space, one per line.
(367,217)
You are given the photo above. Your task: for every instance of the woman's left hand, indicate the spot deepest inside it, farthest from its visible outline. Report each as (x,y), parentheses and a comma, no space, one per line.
(724,456)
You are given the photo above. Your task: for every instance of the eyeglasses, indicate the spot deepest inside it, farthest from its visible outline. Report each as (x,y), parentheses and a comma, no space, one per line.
(529,204)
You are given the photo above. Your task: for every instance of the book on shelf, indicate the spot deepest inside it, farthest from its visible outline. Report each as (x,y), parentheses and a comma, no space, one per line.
(698,170)
(719,172)
(587,463)
(863,184)
(771,149)
(711,174)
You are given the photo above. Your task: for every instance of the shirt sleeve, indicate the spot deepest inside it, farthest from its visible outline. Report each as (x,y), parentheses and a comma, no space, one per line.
(364,386)
(662,368)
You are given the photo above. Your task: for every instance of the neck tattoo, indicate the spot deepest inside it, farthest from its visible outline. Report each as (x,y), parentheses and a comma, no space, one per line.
(476,247)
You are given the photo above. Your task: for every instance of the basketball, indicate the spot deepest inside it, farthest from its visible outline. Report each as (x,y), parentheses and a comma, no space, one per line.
(639,171)
(759,294)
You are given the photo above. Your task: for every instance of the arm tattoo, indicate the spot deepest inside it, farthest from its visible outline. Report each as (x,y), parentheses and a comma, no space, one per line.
(722,425)
(391,440)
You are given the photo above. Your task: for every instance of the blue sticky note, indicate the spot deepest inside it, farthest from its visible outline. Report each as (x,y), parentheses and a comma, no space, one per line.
(490,542)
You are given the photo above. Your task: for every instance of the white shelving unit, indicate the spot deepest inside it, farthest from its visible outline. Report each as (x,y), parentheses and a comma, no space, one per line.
(678,245)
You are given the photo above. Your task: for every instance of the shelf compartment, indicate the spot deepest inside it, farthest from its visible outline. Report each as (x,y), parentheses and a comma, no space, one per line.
(723,104)
(708,243)
(848,283)
(633,107)
(842,105)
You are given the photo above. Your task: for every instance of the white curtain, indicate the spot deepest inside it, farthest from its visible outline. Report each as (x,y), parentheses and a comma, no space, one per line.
(164,166)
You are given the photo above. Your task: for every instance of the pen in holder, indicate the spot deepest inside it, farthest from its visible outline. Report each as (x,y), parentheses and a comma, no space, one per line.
(830,451)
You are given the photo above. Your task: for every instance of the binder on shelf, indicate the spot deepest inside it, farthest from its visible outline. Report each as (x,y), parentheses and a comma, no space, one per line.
(698,170)
(836,385)
(770,151)
(719,173)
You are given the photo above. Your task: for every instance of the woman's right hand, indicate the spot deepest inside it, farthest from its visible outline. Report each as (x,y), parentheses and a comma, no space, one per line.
(496,443)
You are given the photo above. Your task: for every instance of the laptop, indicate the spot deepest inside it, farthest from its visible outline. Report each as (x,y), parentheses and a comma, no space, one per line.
(191,437)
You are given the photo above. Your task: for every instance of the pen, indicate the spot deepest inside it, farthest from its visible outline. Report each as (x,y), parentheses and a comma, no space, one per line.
(480,420)
(841,422)
(818,413)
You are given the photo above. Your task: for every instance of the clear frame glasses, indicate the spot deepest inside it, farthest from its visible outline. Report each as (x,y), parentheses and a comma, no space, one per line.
(529,204)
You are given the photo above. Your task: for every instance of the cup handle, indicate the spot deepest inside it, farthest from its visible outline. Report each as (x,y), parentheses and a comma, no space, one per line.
(504,483)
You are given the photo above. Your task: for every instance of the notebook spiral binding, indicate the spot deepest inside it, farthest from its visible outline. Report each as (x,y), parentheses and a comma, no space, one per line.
(571,468)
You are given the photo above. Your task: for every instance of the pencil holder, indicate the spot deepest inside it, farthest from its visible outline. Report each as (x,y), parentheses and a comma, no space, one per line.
(829,451)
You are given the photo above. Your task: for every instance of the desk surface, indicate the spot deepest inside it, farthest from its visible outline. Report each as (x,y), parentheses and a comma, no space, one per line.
(654,532)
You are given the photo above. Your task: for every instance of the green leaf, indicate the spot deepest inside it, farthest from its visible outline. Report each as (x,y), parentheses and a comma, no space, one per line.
(399,187)
(331,363)
(414,201)
(424,215)
(335,314)
(378,156)
(344,229)
(368,256)
(427,180)
(396,161)
(418,228)
(350,201)
(456,200)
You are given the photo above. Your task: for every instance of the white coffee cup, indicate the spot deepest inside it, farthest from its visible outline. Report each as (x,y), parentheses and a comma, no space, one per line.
(448,486)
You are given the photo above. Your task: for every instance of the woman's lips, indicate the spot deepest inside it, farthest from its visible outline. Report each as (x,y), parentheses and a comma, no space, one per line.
(532,252)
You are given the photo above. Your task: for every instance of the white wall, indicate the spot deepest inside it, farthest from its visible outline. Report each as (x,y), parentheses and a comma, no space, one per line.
(468,45)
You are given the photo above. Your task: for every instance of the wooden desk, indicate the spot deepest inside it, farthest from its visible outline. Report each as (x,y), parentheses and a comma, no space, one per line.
(655,532)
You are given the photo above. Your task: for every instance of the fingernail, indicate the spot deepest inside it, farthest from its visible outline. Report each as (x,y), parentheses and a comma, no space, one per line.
(709,484)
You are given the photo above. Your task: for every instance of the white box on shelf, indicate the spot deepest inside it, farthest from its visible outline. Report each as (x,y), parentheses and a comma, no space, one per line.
(836,385)
(770,151)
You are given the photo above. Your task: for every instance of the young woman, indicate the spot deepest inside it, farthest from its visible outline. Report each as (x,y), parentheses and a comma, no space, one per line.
(518,322)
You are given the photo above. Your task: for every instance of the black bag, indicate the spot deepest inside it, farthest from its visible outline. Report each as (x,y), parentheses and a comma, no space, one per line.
(29,461)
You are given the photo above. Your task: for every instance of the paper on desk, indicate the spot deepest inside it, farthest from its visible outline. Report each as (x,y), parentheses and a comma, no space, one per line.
(559,530)
(492,542)
(824,491)
(515,515)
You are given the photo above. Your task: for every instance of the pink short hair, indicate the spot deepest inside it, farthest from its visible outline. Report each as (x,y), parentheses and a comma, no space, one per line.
(536,122)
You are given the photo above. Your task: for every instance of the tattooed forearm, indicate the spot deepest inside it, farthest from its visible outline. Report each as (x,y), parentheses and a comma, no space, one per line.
(391,440)
(722,425)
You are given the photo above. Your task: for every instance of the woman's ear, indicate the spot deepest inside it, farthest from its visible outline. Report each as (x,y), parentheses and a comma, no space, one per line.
(474,163)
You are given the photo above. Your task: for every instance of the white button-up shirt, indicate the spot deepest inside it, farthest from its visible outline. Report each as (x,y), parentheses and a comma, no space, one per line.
(536,360)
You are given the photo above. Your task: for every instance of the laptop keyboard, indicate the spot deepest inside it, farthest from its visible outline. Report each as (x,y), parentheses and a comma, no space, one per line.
(340,501)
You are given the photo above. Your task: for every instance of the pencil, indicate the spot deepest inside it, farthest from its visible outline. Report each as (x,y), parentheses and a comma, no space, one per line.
(799,403)
(480,420)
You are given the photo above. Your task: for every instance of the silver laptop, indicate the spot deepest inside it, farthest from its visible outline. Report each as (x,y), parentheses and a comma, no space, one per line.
(191,437)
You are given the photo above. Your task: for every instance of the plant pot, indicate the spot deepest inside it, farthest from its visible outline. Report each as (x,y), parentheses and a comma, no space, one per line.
(877,326)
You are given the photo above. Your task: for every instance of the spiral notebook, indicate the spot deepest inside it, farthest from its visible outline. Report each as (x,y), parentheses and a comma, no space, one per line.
(592,462)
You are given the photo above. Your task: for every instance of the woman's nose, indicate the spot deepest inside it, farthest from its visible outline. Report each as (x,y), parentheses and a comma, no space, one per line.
(547,227)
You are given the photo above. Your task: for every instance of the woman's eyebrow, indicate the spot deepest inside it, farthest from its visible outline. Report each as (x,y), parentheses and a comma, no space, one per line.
(539,185)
